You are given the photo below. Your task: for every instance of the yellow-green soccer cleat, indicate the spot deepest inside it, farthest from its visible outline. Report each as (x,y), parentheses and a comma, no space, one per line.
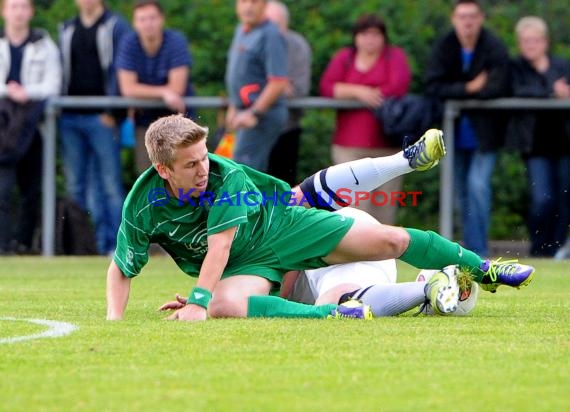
(442,291)
(426,152)
(507,272)
(352,309)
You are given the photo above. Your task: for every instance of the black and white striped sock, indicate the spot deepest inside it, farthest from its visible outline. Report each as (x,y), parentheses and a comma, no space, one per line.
(334,187)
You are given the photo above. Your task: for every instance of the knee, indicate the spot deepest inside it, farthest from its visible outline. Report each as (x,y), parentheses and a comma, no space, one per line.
(395,242)
(401,241)
(224,306)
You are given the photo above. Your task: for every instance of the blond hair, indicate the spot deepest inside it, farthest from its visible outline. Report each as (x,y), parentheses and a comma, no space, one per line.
(531,22)
(169,133)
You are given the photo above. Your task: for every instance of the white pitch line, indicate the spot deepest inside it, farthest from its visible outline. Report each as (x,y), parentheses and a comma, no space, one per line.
(56,330)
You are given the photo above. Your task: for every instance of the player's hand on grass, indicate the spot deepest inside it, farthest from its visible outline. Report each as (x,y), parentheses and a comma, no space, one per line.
(179,303)
(189,312)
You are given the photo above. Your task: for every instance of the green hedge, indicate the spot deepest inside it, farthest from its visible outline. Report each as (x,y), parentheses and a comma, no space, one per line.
(413,25)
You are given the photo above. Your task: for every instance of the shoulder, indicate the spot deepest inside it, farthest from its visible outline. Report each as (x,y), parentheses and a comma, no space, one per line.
(270,28)
(446,40)
(223,167)
(344,53)
(297,40)
(130,47)
(41,45)
(40,37)
(269,33)
(130,38)
(174,37)
(226,175)
(343,57)
(560,63)
(396,52)
(69,24)
(518,63)
(491,40)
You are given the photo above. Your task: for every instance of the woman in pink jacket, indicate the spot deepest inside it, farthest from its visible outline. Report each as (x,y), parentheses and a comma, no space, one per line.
(369,71)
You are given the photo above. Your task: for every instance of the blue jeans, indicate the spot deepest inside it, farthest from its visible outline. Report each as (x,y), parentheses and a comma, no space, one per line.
(473,170)
(92,167)
(253,146)
(549,217)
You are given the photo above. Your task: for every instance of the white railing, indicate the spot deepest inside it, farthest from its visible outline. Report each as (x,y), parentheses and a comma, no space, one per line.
(452,110)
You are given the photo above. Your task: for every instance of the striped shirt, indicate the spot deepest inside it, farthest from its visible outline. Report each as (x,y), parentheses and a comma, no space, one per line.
(154,70)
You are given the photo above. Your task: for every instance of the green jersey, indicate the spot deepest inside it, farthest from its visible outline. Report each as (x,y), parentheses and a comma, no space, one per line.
(236,195)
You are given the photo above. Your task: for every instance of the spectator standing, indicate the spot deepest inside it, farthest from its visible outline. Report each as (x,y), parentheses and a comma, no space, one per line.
(256,78)
(285,154)
(89,137)
(153,63)
(471,63)
(369,71)
(30,72)
(543,137)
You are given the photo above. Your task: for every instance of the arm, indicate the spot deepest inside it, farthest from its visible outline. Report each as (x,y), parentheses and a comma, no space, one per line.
(333,82)
(335,73)
(269,95)
(216,259)
(118,288)
(131,87)
(275,66)
(399,74)
(437,75)
(51,81)
(497,74)
(299,68)
(248,118)
(370,96)
(524,85)
(171,93)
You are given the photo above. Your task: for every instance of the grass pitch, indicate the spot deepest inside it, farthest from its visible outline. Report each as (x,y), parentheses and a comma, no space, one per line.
(512,354)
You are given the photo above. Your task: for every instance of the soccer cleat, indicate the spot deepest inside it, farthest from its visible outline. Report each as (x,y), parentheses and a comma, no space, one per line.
(442,291)
(508,272)
(426,152)
(352,309)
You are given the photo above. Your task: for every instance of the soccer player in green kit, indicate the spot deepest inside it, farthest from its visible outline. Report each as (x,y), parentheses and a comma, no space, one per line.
(240,241)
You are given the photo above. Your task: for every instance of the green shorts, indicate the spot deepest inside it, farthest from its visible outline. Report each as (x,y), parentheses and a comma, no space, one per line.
(299,239)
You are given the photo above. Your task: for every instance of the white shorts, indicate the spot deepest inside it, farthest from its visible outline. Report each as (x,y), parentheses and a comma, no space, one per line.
(362,274)
(313,283)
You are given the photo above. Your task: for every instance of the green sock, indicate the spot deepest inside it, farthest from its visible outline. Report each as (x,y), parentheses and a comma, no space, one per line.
(276,307)
(430,250)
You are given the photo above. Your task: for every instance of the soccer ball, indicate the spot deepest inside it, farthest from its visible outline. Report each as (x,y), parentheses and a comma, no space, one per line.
(467,299)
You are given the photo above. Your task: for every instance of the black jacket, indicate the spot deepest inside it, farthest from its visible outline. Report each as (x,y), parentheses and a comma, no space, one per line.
(445,79)
(538,132)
